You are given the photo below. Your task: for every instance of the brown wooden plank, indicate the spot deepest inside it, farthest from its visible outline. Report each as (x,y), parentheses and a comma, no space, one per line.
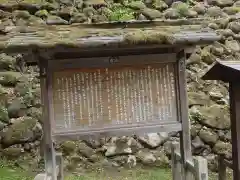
(185,140)
(201,168)
(176,162)
(110,61)
(234,91)
(76,135)
(231,69)
(222,175)
(49,151)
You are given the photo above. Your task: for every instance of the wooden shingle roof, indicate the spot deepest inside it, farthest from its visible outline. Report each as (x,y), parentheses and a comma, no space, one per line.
(104,35)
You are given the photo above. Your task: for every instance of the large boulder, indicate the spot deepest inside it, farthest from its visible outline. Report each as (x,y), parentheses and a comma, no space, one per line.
(221,3)
(208,136)
(12,152)
(223,148)
(88,152)
(215,116)
(16,108)
(121,146)
(146,157)
(24,129)
(198,98)
(9,78)
(151,14)
(6,62)
(154,140)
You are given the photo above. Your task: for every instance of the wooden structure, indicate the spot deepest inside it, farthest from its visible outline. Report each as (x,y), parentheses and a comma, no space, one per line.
(110,79)
(229,71)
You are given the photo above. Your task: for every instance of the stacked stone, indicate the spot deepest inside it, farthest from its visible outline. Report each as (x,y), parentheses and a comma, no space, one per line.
(20,128)
(20,112)
(39,12)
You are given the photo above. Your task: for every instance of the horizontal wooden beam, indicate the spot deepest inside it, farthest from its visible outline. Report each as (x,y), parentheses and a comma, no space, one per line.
(76,135)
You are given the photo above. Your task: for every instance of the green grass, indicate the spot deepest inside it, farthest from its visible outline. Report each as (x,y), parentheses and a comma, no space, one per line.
(9,172)
(136,174)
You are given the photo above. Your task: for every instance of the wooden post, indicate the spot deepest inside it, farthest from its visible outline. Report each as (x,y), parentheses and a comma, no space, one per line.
(234,91)
(221,169)
(176,164)
(201,168)
(59,160)
(185,149)
(49,151)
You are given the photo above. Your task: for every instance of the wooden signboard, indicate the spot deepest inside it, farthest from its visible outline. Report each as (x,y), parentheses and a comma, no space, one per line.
(105,99)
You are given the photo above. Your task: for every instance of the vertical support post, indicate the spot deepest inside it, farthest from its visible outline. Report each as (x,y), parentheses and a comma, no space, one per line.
(185,137)
(234,91)
(59,160)
(201,168)
(221,168)
(47,143)
(176,166)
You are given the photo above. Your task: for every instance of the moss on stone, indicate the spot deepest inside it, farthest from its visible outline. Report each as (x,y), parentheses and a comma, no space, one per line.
(42,13)
(78,18)
(35,113)
(151,13)
(3,96)
(234,26)
(136,5)
(172,14)
(12,152)
(223,148)
(215,116)
(17,108)
(184,10)
(231,10)
(6,62)
(142,37)
(19,132)
(121,13)
(69,147)
(21,14)
(49,6)
(9,78)
(4,115)
(199,8)
(159,5)
(215,12)
(22,88)
(55,20)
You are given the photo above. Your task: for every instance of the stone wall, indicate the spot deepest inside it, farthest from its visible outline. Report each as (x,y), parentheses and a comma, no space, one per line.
(20,112)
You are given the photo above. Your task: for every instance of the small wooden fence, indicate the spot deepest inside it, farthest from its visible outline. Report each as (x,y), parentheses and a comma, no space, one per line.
(223,164)
(197,169)
(59,170)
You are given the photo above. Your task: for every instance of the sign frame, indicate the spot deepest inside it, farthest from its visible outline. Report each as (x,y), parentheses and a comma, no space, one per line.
(49,65)
(101,62)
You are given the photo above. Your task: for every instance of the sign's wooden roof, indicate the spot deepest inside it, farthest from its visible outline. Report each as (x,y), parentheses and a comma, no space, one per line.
(104,35)
(227,71)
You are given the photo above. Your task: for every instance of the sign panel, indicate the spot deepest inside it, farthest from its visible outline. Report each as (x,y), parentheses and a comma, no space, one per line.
(93,99)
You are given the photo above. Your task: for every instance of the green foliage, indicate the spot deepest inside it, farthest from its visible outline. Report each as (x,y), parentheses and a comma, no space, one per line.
(182,8)
(121,13)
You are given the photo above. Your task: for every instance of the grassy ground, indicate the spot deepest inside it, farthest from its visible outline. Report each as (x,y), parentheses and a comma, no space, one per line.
(9,172)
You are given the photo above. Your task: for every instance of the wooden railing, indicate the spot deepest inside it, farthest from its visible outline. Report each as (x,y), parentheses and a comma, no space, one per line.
(59,170)
(198,168)
(223,164)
